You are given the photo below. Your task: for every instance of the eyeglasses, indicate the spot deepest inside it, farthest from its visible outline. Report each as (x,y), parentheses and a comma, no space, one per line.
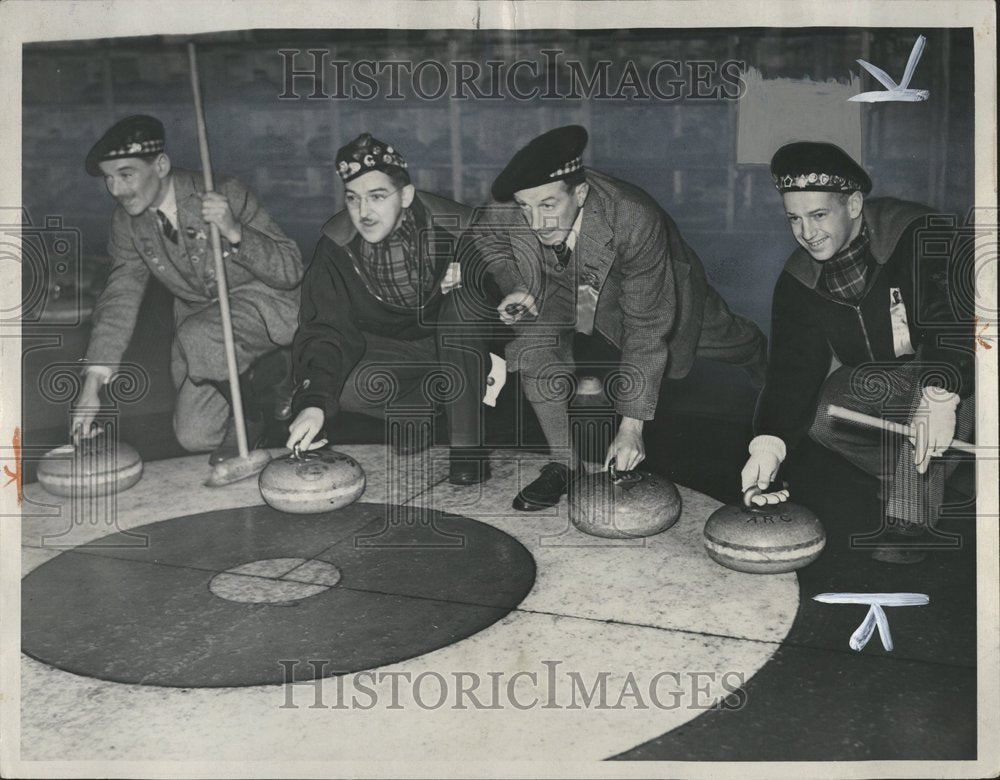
(354,200)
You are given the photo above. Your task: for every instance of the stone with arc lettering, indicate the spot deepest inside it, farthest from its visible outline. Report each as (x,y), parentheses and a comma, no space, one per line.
(771,539)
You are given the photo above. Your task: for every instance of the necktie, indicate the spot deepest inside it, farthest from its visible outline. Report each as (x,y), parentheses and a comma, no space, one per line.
(563,253)
(586,295)
(168,229)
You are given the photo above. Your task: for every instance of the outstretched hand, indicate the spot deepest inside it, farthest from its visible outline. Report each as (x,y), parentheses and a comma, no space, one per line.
(304,428)
(627,450)
(517,306)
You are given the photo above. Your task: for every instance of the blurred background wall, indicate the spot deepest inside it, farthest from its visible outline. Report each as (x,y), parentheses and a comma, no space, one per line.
(680,146)
(681,150)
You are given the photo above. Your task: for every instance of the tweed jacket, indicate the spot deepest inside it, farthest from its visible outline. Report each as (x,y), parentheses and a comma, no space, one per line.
(908,281)
(651,285)
(266,268)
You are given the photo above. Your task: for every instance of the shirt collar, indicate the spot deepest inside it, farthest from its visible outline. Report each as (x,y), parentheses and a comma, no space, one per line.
(574,231)
(169,205)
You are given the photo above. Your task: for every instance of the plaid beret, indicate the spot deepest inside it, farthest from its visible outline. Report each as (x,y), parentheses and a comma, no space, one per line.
(550,157)
(131,137)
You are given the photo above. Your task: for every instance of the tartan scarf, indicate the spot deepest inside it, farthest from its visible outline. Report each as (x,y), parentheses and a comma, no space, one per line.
(393,268)
(845,273)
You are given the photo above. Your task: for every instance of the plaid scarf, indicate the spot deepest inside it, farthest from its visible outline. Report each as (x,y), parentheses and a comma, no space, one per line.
(845,273)
(393,268)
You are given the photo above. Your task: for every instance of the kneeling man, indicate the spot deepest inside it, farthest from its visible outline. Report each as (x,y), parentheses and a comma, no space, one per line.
(579,251)
(372,298)
(160,229)
(858,288)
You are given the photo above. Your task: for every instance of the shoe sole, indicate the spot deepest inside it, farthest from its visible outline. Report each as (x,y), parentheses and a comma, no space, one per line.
(524,505)
(894,557)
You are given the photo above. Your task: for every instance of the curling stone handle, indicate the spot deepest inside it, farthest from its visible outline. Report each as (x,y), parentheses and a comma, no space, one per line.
(625,478)
(748,494)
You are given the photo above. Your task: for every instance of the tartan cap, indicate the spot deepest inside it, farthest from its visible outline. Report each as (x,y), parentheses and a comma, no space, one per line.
(552,156)
(133,136)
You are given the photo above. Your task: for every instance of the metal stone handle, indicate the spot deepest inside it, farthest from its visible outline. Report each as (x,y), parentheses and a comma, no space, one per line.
(622,477)
(299,455)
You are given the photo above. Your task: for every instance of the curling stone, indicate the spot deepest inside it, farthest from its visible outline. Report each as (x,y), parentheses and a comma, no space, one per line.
(312,481)
(769,539)
(92,467)
(623,505)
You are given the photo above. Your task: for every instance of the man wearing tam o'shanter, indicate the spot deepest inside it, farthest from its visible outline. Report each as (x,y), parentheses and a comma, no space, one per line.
(862,287)
(372,298)
(578,251)
(160,229)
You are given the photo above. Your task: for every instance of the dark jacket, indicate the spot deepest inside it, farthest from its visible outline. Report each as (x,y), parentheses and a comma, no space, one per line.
(338,308)
(651,285)
(808,325)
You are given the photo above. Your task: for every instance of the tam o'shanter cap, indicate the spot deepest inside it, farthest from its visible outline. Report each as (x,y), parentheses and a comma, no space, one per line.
(364,154)
(807,166)
(130,137)
(550,157)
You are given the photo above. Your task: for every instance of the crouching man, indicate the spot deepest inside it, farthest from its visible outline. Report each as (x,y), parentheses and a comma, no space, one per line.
(160,229)
(858,288)
(378,285)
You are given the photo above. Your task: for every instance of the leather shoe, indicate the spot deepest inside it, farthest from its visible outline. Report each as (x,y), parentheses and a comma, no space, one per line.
(468,465)
(898,555)
(903,544)
(256,434)
(553,483)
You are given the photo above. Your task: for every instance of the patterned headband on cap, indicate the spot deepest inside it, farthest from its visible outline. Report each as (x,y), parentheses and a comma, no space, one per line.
(154,146)
(804,181)
(573,165)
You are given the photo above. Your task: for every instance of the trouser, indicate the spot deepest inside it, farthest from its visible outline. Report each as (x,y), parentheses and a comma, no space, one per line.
(912,501)
(401,379)
(542,350)
(198,365)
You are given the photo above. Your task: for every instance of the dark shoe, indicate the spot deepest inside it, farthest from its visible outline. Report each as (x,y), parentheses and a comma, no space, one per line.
(902,544)
(256,431)
(898,555)
(468,465)
(551,485)
(407,441)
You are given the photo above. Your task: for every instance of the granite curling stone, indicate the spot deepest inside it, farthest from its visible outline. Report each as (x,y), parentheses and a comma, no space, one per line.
(312,482)
(623,505)
(97,466)
(769,539)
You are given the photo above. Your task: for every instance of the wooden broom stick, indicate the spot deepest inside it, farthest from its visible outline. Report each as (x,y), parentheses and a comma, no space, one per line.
(887,425)
(220,268)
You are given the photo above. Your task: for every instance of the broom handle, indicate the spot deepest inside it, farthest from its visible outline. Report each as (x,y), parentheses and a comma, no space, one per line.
(887,425)
(220,268)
